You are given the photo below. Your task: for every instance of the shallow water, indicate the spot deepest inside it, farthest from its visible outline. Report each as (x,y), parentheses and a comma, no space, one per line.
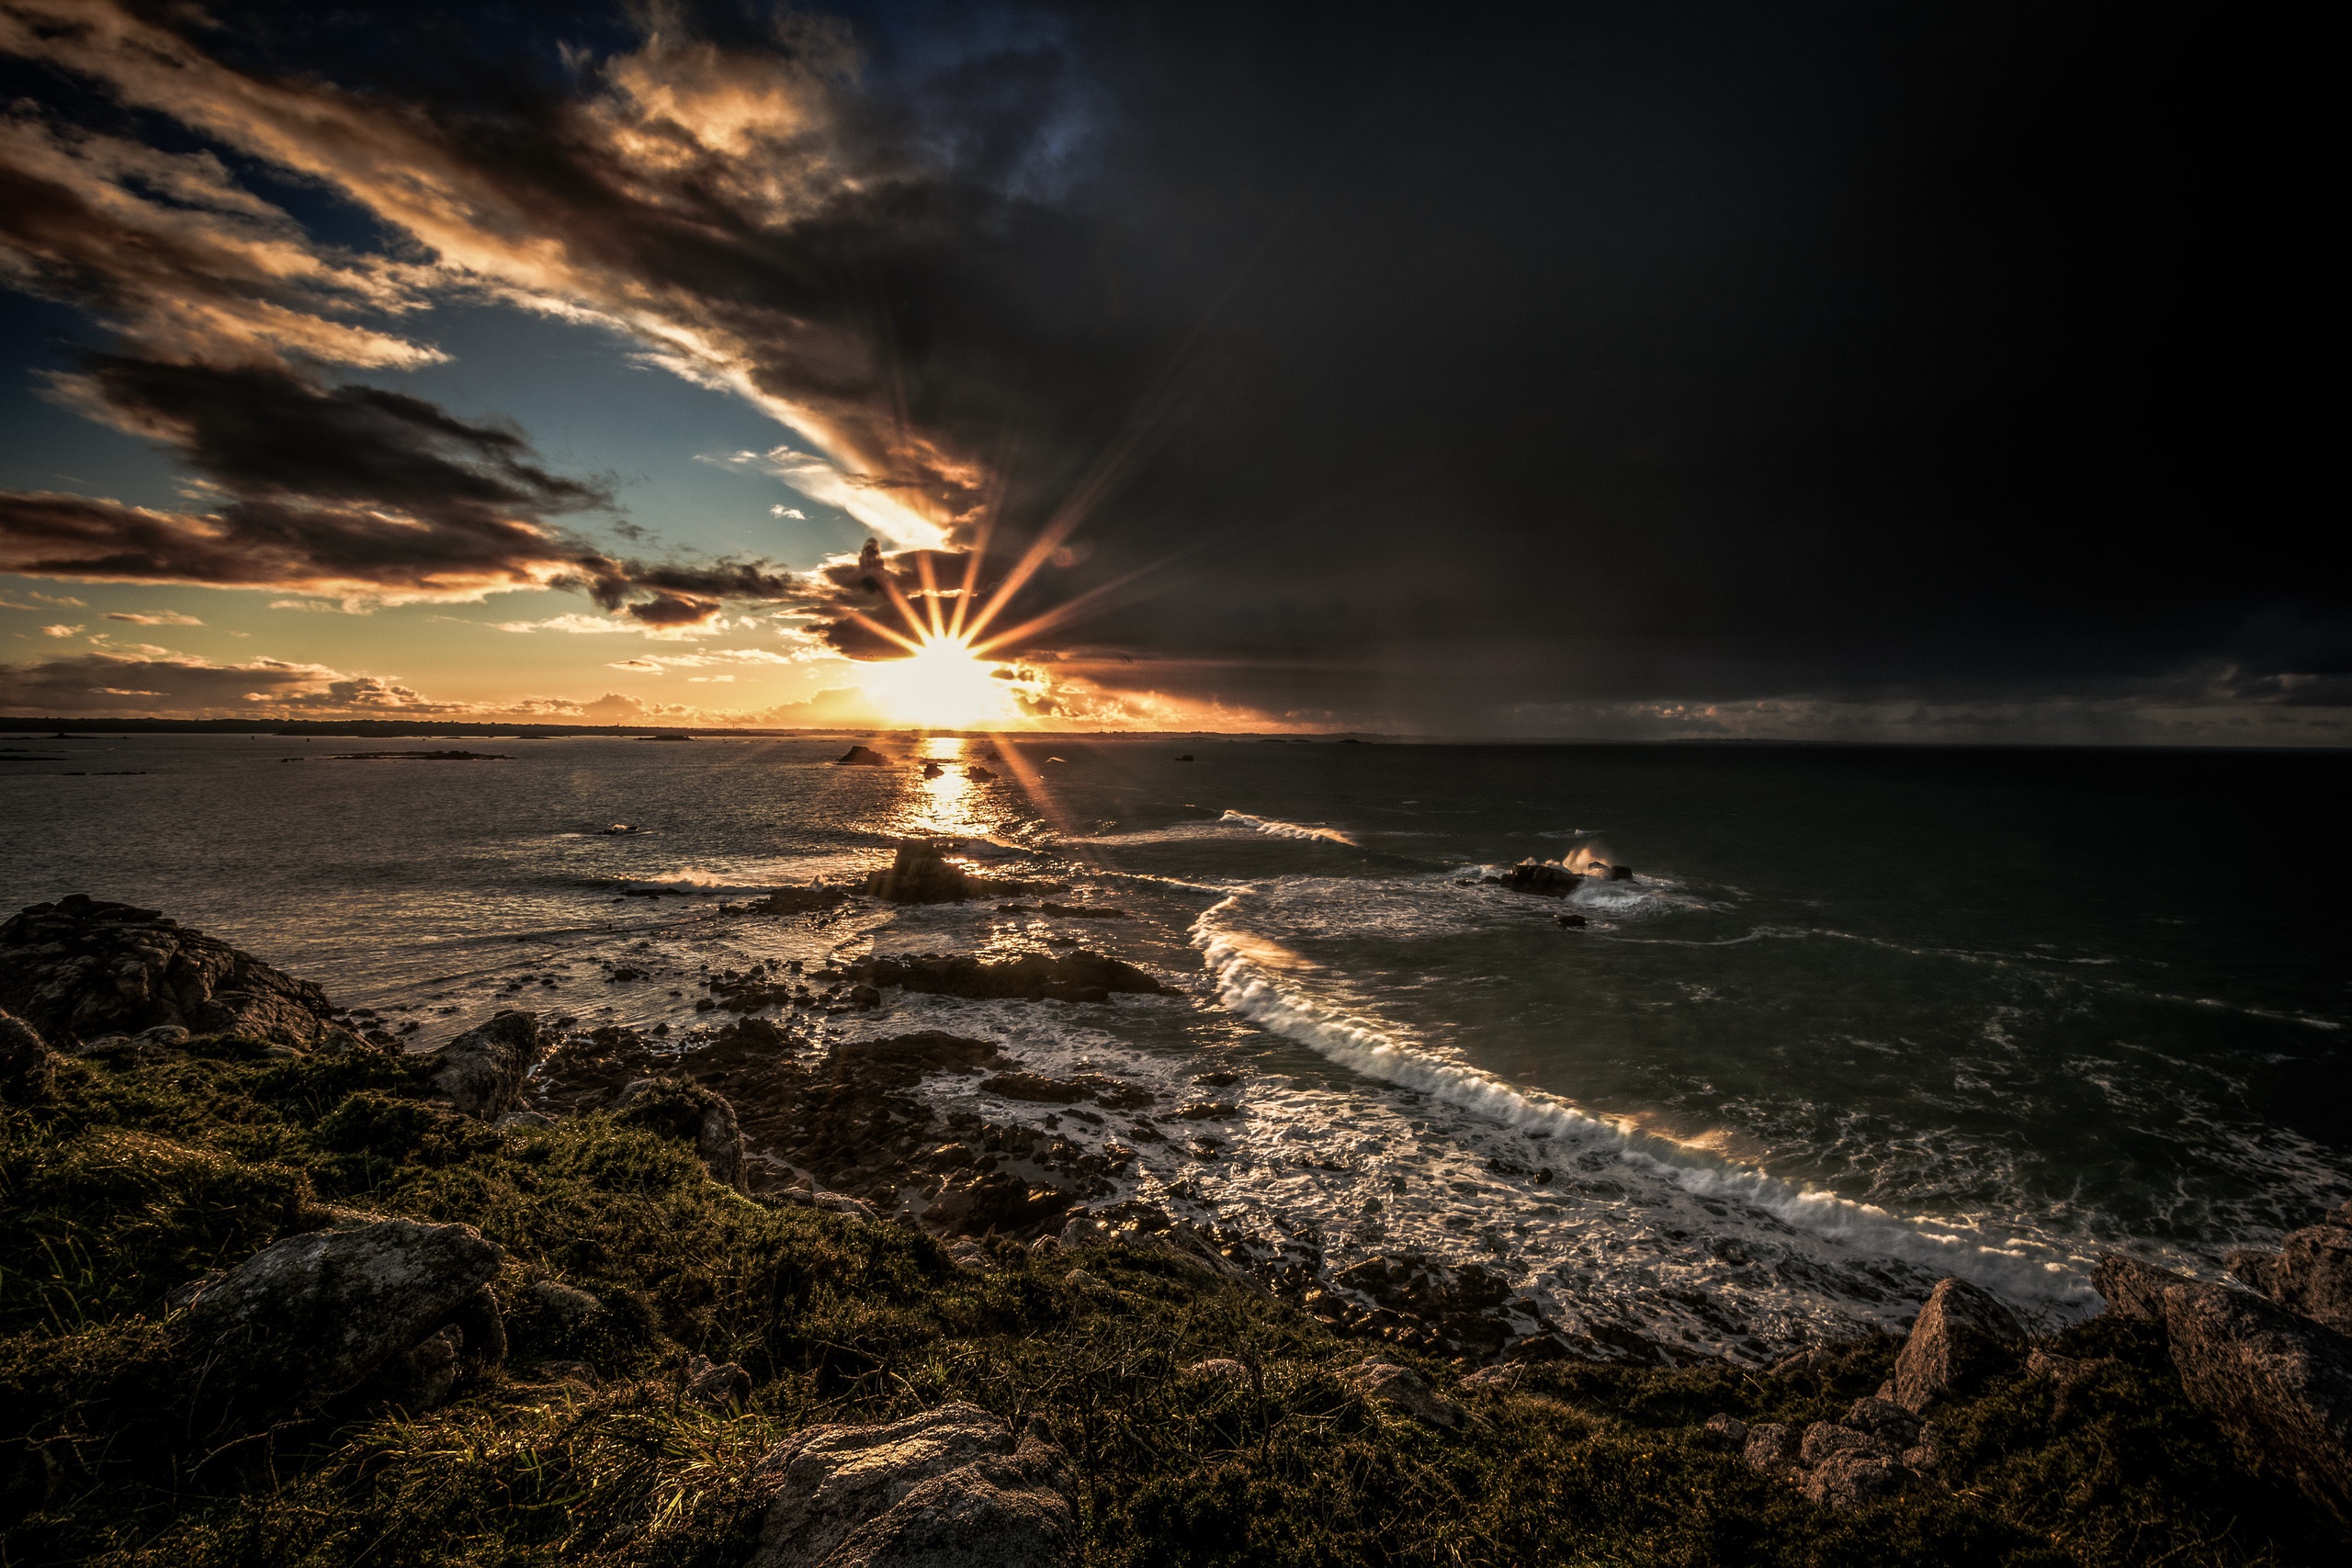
(1863,1016)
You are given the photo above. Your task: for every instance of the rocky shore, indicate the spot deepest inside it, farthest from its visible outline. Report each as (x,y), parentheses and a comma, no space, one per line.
(280,1289)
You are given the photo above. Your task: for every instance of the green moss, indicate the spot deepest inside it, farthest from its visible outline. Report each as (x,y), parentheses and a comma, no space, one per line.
(136,1179)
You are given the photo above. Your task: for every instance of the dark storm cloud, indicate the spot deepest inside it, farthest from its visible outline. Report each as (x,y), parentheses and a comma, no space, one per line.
(1610,355)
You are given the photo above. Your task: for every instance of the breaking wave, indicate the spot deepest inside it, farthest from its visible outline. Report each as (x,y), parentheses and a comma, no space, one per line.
(1273,828)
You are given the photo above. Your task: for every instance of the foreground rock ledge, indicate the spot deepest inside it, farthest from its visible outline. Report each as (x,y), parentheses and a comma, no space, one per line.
(950,1486)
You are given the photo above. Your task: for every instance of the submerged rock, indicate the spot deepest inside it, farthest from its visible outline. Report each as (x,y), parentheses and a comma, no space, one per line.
(948,1486)
(1079,976)
(481,1072)
(312,1316)
(82,968)
(1963,1336)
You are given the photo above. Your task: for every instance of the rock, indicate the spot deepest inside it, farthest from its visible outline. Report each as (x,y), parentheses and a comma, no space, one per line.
(1824,1438)
(1405,1391)
(1620,873)
(2311,1274)
(680,1108)
(1961,1337)
(81,968)
(996,1202)
(1725,1425)
(1885,1420)
(2278,1383)
(1223,1369)
(420,1377)
(716,1386)
(798,900)
(310,1317)
(861,757)
(518,1119)
(922,873)
(2131,1288)
(1071,977)
(1851,1478)
(1572,921)
(970,1256)
(1545,879)
(1498,1379)
(568,1305)
(1772,1450)
(27,1066)
(481,1072)
(950,1486)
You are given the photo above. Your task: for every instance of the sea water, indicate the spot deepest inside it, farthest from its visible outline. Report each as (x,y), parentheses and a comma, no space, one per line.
(1859,1019)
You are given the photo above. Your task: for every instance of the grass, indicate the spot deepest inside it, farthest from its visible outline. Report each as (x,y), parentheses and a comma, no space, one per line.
(131,1181)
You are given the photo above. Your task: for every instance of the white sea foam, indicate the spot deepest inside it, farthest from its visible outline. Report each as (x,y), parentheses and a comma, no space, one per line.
(693,879)
(1274,828)
(2023,1267)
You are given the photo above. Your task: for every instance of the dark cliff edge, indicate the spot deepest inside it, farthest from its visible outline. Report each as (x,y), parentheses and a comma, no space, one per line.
(274,1291)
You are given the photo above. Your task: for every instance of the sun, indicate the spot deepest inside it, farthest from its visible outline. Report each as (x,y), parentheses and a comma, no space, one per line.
(942,685)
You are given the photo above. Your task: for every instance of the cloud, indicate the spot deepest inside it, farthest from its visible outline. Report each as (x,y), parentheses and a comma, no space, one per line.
(154,681)
(161,619)
(59,631)
(656,663)
(792,511)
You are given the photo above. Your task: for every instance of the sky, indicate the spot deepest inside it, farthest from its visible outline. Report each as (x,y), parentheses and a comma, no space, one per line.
(1630,371)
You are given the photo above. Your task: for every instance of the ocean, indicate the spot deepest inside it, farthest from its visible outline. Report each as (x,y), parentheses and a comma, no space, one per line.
(1861,1017)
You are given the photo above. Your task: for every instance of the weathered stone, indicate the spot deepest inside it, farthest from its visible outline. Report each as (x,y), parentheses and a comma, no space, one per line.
(2278,1384)
(568,1305)
(82,968)
(716,1385)
(948,1486)
(1772,1450)
(2131,1288)
(420,1377)
(1885,1420)
(2312,1274)
(1962,1337)
(996,1202)
(1076,977)
(310,1317)
(1723,1425)
(1545,879)
(27,1066)
(1220,1368)
(481,1072)
(1851,1478)
(681,1107)
(1403,1391)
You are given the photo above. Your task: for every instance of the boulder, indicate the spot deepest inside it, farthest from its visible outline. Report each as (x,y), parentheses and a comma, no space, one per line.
(681,1107)
(921,872)
(720,1385)
(27,1066)
(1079,976)
(1772,1450)
(2311,1274)
(481,1072)
(2132,1289)
(1962,1337)
(1405,1391)
(2278,1383)
(1722,1424)
(82,968)
(948,1486)
(312,1316)
(996,1202)
(862,757)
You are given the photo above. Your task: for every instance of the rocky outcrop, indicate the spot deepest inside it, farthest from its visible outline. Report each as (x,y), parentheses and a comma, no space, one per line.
(681,1107)
(81,969)
(2279,1384)
(313,1316)
(1456,1309)
(1963,1338)
(949,1486)
(481,1072)
(2133,1289)
(1545,879)
(922,873)
(27,1066)
(1405,1391)
(1079,976)
(862,757)
(996,1203)
(2311,1274)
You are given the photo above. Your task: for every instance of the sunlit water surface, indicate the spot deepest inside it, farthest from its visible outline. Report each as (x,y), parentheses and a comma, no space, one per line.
(1863,1018)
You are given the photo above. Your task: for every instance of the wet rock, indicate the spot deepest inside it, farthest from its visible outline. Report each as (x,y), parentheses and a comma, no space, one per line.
(312,1316)
(1079,976)
(1457,1307)
(798,900)
(1961,1337)
(1571,921)
(949,1486)
(2311,1274)
(2278,1383)
(996,1203)
(1037,1089)
(1545,879)
(1620,873)
(27,1066)
(862,757)
(921,872)
(481,1072)
(1405,1391)
(81,968)
(681,1107)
